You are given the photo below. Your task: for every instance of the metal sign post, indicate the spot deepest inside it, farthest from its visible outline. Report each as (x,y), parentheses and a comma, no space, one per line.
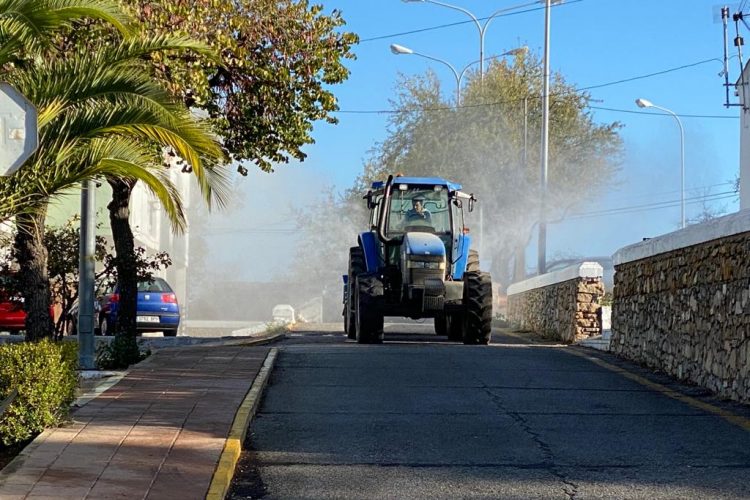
(18,129)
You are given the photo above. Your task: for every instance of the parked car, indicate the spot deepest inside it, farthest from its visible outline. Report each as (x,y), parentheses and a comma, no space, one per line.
(157,308)
(12,314)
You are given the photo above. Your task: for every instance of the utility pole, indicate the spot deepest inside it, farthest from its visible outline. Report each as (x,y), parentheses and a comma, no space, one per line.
(542,252)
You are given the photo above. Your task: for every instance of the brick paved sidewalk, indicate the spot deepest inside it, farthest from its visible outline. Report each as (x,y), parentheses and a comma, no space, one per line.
(157,434)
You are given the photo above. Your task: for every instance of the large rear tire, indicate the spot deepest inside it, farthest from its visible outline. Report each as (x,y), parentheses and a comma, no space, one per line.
(368,320)
(356,267)
(477,320)
(472,263)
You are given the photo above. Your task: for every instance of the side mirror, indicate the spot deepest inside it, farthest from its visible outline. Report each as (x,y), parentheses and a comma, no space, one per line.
(368,197)
(472,200)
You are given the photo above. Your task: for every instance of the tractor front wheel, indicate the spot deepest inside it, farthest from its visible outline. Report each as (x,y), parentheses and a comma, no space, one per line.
(369,321)
(477,320)
(356,267)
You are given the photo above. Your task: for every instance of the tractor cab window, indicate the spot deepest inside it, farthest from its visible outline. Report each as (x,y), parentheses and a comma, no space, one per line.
(419,208)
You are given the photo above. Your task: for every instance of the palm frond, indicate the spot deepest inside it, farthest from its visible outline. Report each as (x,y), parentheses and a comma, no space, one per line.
(30,23)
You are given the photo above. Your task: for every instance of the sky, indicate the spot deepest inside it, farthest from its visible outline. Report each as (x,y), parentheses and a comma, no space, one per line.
(666,51)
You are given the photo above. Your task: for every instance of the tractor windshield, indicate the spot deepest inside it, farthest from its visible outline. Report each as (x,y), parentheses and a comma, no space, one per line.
(419,208)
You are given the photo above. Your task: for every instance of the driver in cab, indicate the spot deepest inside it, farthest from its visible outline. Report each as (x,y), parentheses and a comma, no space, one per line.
(418,212)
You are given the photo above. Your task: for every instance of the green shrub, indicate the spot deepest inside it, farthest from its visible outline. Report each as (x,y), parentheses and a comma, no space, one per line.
(122,352)
(44,374)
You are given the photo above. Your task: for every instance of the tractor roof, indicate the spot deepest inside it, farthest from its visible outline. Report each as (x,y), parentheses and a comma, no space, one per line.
(420,181)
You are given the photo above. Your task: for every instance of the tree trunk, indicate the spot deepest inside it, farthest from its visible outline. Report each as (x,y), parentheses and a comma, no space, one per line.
(125,261)
(31,255)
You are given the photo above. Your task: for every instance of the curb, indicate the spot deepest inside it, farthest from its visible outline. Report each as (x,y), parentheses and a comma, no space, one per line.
(230,455)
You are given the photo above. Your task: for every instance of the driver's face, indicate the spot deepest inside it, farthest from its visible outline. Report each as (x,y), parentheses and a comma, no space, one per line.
(418,205)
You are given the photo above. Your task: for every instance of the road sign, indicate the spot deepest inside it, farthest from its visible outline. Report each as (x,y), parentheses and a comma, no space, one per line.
(18,129)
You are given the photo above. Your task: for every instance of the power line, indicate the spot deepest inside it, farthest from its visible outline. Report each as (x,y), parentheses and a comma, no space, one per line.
(652,206)
(601,85)
(649,75)
(696,189)
(450,25)
(631,111)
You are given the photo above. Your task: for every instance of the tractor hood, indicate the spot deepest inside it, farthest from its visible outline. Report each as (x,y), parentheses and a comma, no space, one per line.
(423,244)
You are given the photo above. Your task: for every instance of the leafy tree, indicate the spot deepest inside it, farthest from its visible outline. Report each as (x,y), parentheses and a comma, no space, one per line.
(481,146)
(277,58)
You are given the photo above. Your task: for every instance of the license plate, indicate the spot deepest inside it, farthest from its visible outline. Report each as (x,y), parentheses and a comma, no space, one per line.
(147,319)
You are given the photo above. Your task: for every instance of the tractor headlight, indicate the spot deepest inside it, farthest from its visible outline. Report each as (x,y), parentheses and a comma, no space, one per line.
(420,264)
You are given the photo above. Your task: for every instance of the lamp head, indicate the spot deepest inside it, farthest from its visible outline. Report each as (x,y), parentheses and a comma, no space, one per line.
(400,49)
(643,103)
(517,51)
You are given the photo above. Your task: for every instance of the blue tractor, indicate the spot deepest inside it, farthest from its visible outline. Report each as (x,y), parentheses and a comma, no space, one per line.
(415,262)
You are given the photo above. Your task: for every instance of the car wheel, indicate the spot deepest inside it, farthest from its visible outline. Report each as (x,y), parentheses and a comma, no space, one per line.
(170,333)
(103,326)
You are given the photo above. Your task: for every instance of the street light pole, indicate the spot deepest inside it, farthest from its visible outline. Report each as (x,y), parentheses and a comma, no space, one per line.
(542,243)
(86,278)
(644,103)
(482,28)
(401,50)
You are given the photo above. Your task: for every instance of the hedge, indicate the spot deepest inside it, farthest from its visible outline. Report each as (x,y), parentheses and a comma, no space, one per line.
(45,377)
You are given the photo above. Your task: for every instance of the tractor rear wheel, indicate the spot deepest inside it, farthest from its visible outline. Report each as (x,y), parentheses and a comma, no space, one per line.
(472,263)
(356,267)
(477,320)
(369,321)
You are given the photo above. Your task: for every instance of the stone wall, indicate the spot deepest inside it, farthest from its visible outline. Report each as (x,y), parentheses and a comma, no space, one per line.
(567,310)
(686,311)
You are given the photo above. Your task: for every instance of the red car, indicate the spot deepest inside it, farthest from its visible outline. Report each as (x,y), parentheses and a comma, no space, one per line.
(12,315)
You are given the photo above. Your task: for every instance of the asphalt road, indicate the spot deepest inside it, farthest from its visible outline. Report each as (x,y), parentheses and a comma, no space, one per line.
(420,417)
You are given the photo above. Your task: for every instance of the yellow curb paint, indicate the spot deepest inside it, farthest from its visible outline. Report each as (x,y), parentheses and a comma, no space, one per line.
(695,403)
(224,472)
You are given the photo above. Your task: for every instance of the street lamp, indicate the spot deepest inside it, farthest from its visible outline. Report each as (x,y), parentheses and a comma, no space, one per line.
(643,103)
(481,27)
(401,50)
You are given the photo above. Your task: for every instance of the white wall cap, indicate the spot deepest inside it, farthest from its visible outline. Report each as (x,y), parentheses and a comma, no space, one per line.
(720,227)
(583,270)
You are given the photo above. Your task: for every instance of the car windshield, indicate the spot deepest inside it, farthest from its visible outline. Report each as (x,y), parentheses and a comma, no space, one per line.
(419,208)
(155,285)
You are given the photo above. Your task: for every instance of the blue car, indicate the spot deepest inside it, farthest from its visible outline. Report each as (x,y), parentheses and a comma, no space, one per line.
(157,309)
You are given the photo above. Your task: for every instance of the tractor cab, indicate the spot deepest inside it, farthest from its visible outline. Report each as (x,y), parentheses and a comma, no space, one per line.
(411,209)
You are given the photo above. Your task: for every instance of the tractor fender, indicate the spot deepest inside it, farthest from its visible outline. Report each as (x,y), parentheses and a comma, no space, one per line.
(368,241)
(462,254)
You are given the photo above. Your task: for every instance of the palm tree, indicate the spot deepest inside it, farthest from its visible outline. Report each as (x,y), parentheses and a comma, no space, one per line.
(26,26)
(101,116)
